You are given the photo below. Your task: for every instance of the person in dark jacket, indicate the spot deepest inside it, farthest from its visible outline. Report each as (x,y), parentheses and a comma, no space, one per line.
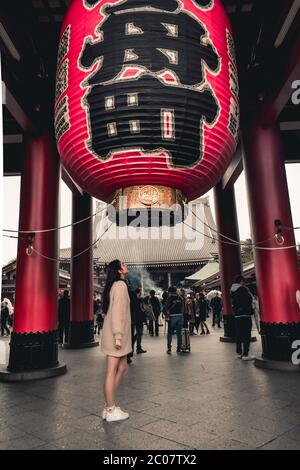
(173,309)
(4,318)
(98,316)
(137,322)
(216,305)
(164,298)
(132,317)
(203,307)
(64,318)
(241,299)
(156,307)
(191,312)
(140,320)
(184,308)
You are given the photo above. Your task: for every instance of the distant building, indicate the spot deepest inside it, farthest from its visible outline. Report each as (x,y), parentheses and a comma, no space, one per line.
(209,277)
(9,280)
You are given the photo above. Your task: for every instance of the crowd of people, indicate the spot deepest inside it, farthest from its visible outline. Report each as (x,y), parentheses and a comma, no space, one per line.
(151,312)
(174,310)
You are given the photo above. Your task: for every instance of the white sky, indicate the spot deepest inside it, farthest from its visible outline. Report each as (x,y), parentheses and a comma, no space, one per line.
(11,193)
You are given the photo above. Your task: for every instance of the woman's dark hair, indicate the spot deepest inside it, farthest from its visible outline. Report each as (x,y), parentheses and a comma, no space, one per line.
(112,276)
(172,290)
(239,279)
(165,295)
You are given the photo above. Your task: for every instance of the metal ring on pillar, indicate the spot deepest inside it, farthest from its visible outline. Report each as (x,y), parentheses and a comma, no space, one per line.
(29,250)
(279,238)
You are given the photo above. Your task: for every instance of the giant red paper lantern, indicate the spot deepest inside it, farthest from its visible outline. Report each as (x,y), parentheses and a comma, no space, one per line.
(146,97)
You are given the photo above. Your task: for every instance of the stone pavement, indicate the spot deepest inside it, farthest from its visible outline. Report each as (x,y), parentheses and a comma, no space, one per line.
(206,400)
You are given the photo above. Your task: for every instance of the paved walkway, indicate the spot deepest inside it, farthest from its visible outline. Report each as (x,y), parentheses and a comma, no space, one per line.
(206,400)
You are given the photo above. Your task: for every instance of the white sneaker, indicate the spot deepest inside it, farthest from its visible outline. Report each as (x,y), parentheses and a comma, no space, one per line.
(248,358)
(116,414)
(104,412)
(239,356)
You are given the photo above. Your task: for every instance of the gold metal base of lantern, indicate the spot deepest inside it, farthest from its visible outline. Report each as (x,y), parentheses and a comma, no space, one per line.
(160,204)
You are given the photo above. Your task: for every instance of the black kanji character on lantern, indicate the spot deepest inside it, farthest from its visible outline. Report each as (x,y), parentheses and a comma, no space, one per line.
(204,3)
(153,39)
(91,3)
(145,114)
(167,4)
(136,3)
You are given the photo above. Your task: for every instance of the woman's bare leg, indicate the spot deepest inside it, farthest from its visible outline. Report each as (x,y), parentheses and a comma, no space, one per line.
(109,386)
(122,367)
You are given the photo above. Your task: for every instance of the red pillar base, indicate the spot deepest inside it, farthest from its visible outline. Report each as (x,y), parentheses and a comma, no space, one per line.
(283,366)
(81,335)
(81,345)
(24,376)
(33,351)
(229,329)
(227,339)
(277,340)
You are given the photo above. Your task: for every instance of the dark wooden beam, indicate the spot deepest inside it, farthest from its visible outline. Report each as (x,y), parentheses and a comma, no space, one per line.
(290,126)
(234,170)
(16,110)
(281,94)
(12,138)
(71,183)
(13,159)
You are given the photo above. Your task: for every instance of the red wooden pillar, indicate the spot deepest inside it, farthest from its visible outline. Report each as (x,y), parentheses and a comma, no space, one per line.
(82,312)
(277,271)
(229,255)
(34,341)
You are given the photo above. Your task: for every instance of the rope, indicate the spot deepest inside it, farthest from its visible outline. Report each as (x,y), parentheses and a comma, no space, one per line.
(56,228)
(77,254)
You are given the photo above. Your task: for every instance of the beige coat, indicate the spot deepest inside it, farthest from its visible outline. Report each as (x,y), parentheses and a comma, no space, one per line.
(117,322)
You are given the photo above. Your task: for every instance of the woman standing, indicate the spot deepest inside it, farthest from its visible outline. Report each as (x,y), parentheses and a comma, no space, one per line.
(191,307)
(197,312)
(116,336)
(202,304)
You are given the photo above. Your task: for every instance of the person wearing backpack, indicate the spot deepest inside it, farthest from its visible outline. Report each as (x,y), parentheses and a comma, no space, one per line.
(173,311)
